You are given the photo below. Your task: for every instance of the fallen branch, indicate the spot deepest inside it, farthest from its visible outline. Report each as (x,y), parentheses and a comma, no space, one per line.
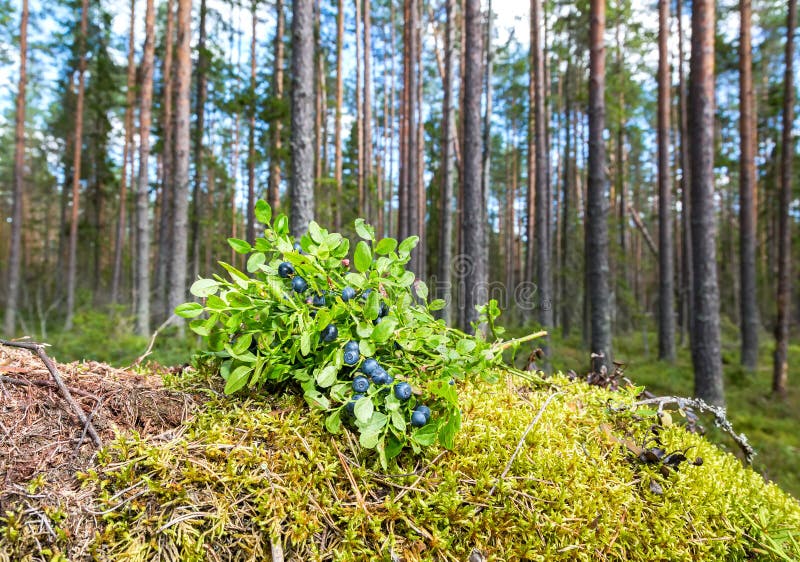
(720,418)
(38,349)
(521,442)
(149,349)
(46,384)
(637,220)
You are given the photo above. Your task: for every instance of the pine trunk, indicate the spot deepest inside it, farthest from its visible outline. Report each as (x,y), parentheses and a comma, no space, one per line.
(597,197)
(183,87)
(199,131)
(274,185)
(687,279)
(15,252)
(119,239)
(142,188)
(706,331)
(542,189)
(448,164)
(780,372)
(250,233)
(165,230)
(666,304)
(475,290)
(301,186)
(72,259)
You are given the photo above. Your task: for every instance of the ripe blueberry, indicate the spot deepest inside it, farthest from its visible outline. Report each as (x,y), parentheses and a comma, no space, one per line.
(329,333)
(285,269)
(384,310)
(318,300)
(352,345)
(424,410)
(348,293)
(377,320)
(299,284)
(369,366)
(402,391)
(418,419)
(360,384)
(351,357)
(380,376)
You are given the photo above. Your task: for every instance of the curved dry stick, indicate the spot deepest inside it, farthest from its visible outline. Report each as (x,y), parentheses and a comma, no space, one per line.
(38,349)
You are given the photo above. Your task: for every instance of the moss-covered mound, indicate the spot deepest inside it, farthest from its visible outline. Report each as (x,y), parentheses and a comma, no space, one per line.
(536,474)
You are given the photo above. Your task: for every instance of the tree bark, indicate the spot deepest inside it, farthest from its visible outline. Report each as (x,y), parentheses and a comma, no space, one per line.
(250,233)
(199,131)
(597,195)
(337,127)
(301,186)
(780,372)
(542,190)
(687,280)
(183,83)
(475,290)
(666,297)
(747,193)
(165,230)
(566,221)
(126,147)
(142,189)
(448,164)
(15,251)
(359,115)
(72,263)
(706,332)
(530,211)
(277,124)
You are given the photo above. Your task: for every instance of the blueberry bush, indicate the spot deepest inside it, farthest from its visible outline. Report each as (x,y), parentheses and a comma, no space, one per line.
(360,342)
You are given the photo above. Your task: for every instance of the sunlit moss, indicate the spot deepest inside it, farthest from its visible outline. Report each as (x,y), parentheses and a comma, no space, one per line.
(243,473)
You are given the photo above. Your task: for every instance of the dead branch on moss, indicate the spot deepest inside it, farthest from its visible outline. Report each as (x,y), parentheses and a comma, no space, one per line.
(521,442)
(719,413)
(38,349)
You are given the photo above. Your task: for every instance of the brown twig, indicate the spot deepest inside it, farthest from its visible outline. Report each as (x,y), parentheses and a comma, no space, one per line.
(47,384)
(149,349)
(350,477)
(38,349)
(521,442)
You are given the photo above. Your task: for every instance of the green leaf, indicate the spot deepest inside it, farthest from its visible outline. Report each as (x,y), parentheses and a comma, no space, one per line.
(242,344)
(237,379)
(204,287)
(326,376)
(385,246)
(399,421)
(199,327)
(366,348)
(305,343)
(255,261)
(465,346)
(369,439)
(421,289)
(263,211)
(189,309)
(357,280)
(362,256)
(315,232)
(333,423)
(240,246)
(364,230)
(282,224)
(425,435)
(447,433)
(363,409)
(408,244)
(436,304)
(373,306)
(384,330)
(238,277)
(215,303)
(406,279)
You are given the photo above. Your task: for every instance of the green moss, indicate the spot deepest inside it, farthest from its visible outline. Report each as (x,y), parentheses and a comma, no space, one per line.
(244,471)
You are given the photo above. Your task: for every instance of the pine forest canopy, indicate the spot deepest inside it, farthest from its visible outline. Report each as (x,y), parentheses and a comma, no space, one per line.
(552,159)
